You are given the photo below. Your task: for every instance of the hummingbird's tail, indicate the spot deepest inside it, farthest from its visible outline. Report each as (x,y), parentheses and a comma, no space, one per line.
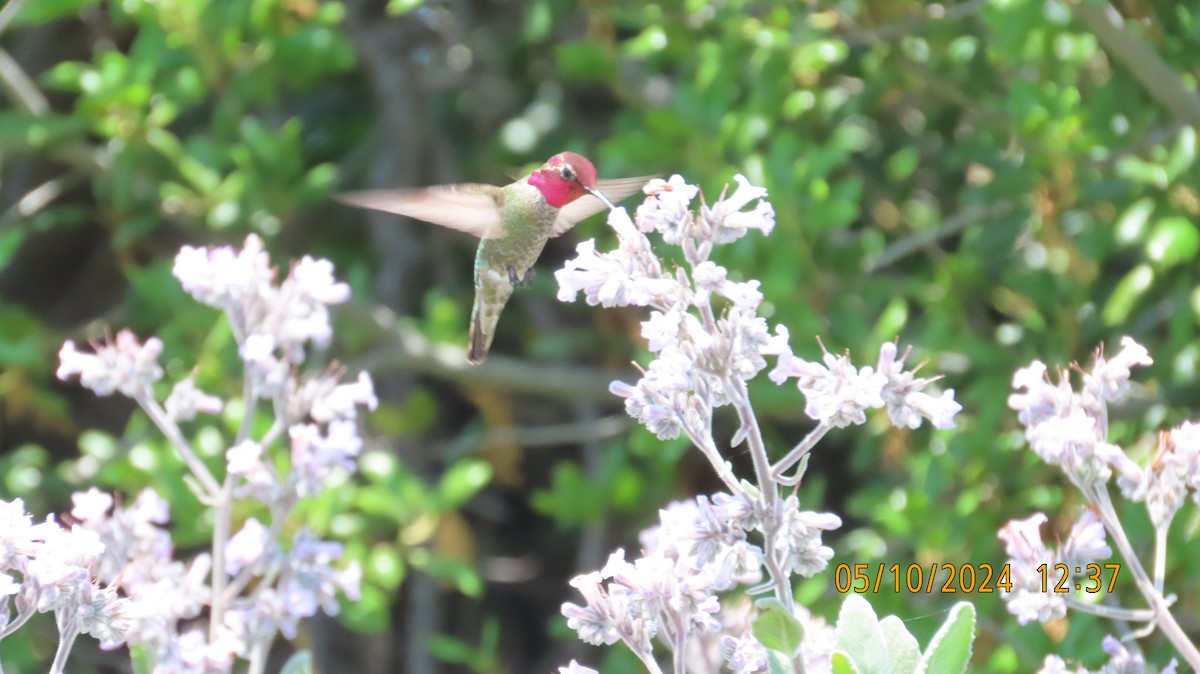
(485,313)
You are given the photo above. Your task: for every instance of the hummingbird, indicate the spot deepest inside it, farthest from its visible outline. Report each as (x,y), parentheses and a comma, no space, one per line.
(512,222)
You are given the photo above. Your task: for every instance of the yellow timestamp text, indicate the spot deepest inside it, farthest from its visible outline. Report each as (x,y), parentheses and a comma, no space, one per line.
(915,578)
(1067,581)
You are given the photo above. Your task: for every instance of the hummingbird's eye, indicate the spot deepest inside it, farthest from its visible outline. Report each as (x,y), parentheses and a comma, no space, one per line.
(567,173)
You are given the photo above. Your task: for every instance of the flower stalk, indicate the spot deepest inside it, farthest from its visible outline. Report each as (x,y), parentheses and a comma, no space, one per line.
(707,342)
(1068,429)
(260,583)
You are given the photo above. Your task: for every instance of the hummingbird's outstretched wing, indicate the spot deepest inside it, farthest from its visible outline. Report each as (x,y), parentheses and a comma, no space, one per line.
(469,207)
(588,205)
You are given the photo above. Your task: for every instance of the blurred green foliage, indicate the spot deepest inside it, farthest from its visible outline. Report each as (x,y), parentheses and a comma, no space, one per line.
(984,180)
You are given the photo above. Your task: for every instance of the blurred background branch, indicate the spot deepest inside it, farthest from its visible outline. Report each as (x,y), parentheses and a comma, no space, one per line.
(1160,80)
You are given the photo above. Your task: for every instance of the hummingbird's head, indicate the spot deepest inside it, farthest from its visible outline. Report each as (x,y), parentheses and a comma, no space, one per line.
(564,178)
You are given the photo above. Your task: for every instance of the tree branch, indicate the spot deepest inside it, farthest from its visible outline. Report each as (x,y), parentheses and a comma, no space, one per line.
(9,12)
(907,245)
(1156,77)
(20,87)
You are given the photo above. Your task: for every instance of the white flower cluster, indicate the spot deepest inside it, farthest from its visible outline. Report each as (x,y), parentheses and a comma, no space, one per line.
(797,538)
(1035,570)
(271,323)
(744,654)
(838,394)
(683,383)
(254,584)
(138,558)
(708,341)
(694,553)
(111,575)
(698,550)
(123,365)
(695,350)
(50,568)
(1163,483)
(1069,429)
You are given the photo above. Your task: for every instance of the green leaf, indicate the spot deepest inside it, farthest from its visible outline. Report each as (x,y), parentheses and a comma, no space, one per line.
(23,339)
(860,637)
(891,321)
(1183,154)
(98,445)
(1125,296)
(464,479)
(461,574)
(650,41)
(1131,225)
(141,658)
(842,664)
(398,7)
(321,179)
(43,11)
(902,164)
(381,501)
(385,566)
(1174,240)
(167,143)
(11,239)
(903,650)
(1138,171)
(379,467)
(450,649)
(538,20)
(201,177)
(950,650)
(369,613)
(65,76)
(776,628)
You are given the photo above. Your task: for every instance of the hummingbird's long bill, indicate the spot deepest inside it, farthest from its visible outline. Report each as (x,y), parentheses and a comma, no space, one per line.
(595,192)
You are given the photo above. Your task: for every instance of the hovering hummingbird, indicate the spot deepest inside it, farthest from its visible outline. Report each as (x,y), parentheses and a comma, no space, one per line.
(513,222)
